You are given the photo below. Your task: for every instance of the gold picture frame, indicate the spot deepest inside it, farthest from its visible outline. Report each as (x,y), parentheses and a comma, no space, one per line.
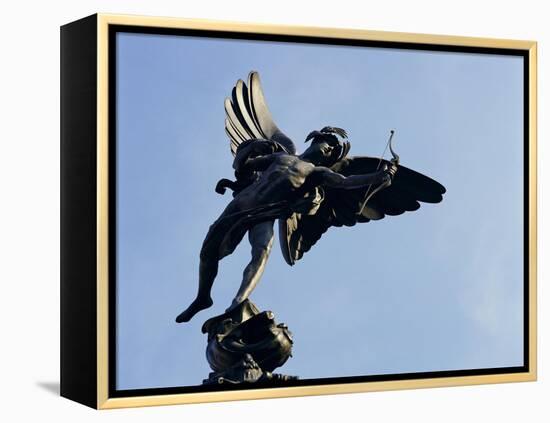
(85,320)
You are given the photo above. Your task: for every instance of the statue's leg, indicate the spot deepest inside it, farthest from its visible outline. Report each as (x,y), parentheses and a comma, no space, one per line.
(208,269)
(261,241)
(210,256)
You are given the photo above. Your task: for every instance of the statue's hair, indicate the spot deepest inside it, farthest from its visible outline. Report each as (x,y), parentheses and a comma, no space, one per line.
(330,134)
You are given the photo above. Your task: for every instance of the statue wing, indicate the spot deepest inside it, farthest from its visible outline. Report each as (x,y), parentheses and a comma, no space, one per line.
(247,116)
(341,207)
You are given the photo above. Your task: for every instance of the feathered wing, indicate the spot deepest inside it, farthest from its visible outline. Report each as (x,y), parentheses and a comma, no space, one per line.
(248,117)
(341,207)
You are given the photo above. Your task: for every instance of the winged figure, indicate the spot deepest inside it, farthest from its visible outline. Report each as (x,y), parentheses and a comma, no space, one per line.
(306,193)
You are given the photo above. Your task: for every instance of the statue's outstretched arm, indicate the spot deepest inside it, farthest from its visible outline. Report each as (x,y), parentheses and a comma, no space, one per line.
(325,176)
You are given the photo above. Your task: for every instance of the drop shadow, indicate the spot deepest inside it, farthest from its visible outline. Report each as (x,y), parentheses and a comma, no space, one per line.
(51,387)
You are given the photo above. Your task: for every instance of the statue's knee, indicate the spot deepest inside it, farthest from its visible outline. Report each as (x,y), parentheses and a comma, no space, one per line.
(261,253)
(205,255)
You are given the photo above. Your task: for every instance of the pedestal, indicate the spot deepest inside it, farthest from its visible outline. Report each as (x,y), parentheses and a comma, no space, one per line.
(246,345)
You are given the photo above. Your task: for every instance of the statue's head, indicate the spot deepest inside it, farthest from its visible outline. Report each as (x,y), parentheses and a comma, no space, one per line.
(328,146)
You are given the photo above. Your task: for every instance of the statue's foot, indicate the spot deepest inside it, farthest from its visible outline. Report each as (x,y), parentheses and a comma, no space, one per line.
(194,308)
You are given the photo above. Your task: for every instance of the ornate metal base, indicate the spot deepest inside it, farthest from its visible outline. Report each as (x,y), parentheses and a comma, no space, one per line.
(245,371)
(246,345)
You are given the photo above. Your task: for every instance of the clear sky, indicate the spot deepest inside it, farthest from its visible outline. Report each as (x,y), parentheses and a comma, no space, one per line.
(437,289)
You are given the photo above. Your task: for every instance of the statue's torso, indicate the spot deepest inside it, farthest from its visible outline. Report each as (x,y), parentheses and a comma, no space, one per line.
(281,179)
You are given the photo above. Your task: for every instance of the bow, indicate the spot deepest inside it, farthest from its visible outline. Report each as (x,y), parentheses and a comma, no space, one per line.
(394,160)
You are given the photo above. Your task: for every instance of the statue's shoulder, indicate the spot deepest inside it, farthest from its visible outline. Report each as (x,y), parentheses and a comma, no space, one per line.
(303,164)
(284,158)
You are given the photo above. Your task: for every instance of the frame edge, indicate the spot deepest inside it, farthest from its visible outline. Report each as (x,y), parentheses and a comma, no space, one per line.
(533,251)
(315,31)
(78,209)
(103,22)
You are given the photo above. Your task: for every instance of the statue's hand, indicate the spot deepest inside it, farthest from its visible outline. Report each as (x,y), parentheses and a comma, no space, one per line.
(390,170)
(220,189)
(222,185)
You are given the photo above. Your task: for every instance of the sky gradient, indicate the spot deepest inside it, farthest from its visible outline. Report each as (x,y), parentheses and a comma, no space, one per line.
(437,289)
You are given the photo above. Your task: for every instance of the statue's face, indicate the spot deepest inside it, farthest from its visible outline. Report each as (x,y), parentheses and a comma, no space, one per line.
(319,153)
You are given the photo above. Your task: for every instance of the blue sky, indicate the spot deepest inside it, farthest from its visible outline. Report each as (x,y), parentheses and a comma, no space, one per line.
(437,289)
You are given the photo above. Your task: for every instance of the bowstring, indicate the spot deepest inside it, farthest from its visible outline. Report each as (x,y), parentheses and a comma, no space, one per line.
(377,168)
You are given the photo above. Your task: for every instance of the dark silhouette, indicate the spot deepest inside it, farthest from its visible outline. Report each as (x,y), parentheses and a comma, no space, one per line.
(307,193)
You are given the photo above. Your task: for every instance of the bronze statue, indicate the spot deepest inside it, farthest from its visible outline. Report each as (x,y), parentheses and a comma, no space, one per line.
(306,193)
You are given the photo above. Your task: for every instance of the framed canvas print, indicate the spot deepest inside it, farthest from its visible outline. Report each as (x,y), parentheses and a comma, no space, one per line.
(254,211)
